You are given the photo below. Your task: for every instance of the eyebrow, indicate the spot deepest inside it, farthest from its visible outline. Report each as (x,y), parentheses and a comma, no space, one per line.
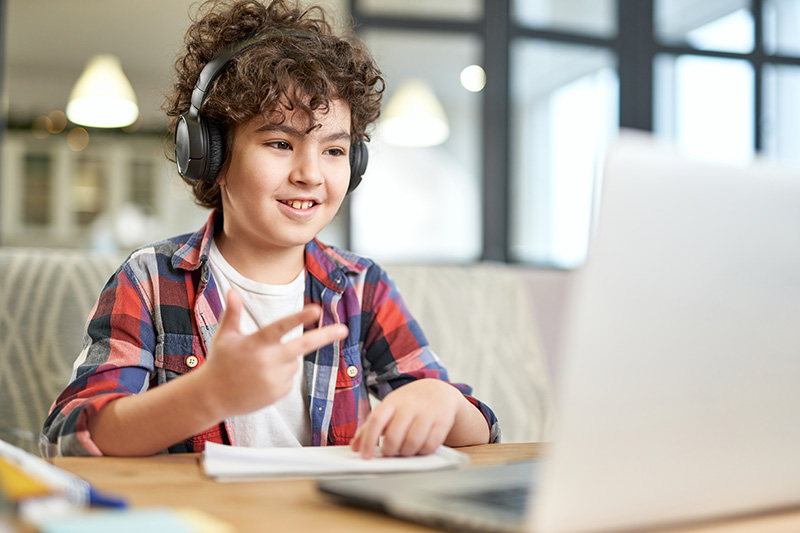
(283,128)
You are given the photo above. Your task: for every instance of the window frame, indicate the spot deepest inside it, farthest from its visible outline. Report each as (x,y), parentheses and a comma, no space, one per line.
(635,46)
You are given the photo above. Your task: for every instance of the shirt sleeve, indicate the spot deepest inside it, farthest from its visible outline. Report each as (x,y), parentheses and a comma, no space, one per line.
(117,360)
(396,350)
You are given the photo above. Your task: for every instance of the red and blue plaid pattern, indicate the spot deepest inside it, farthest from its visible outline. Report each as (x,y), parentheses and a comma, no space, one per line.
(161,308)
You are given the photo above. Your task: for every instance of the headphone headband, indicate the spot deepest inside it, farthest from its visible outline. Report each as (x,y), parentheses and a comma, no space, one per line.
(216,66)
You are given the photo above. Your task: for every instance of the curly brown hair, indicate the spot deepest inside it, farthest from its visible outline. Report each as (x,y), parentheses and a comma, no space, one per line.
(275,76)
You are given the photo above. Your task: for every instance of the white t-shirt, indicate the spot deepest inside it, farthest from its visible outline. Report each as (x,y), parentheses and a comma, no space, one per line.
(286,422)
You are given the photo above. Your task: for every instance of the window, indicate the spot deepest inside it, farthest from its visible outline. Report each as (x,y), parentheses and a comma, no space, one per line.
(37,196)
(594,17)
(781,113)
(143,185)
(440,9)
(723,25)
(706,105)
(88,189)
(781,35)
(425,199)
(563,115)
(719,77)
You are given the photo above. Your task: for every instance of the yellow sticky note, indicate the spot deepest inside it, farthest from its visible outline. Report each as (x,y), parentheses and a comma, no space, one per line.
(17,485)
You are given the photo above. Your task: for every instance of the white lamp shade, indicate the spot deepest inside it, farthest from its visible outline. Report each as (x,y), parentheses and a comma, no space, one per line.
(414,117)
(103,97)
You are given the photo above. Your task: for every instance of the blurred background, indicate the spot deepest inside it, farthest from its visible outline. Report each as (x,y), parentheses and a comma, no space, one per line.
(495,123)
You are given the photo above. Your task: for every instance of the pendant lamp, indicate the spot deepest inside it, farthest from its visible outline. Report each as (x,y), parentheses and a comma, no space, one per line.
(103,97)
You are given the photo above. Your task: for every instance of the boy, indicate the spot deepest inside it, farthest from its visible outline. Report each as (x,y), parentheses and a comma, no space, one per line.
(269,113)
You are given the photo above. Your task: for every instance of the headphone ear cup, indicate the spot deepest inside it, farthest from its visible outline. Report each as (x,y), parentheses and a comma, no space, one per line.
(183,147)
(358,163)
(216,148)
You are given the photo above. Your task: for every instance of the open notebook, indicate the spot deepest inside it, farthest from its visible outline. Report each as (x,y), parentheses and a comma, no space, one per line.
(680,390)
(231,463)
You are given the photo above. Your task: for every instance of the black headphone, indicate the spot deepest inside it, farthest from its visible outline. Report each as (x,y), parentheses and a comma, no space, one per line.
(200,141)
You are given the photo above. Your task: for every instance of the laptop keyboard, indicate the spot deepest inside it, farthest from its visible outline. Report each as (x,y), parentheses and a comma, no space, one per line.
(511,499)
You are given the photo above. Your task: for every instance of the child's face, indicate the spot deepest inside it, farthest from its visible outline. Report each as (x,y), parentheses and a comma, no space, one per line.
(284,185)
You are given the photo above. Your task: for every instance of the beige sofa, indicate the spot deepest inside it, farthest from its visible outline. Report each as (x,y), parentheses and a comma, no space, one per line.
(479,318)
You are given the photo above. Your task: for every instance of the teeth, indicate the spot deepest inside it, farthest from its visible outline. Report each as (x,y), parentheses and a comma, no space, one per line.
(297,204)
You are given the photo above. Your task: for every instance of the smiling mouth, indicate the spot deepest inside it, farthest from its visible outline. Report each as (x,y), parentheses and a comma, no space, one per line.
(299,204)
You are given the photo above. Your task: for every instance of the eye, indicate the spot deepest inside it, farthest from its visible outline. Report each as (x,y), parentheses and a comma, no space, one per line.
(335,151)
(280,145)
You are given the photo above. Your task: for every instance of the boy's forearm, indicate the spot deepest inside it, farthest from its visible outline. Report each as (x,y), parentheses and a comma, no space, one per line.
(146,423)
(469,428)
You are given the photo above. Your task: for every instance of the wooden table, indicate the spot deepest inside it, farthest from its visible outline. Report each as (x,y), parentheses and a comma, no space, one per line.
(284,505)
(296,505)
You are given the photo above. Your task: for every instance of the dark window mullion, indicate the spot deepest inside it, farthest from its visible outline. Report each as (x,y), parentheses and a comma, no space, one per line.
(758,70)
(413,23)
(688,50)
(496,131)
(635,47)
(560,36)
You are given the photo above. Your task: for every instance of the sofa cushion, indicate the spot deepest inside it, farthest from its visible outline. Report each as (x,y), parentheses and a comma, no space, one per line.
(480,320)
(46,296)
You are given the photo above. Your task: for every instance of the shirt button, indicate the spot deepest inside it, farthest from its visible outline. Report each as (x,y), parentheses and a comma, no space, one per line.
(191,361)
(352,371)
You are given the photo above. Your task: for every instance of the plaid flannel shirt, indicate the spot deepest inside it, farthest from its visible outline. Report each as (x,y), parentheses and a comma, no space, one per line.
(155,318)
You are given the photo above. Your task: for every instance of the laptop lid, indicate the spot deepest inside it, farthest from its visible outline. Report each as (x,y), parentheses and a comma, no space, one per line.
(680,388)
(680,397)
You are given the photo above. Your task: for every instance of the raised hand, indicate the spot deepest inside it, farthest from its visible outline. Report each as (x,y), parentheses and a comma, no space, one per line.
(243,373)
(247,372)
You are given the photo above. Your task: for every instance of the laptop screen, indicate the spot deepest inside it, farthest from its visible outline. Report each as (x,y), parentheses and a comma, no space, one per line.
(679,397)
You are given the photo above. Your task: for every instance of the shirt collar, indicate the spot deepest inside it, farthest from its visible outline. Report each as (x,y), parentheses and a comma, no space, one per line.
(194,252)
(330,265)
(327,264)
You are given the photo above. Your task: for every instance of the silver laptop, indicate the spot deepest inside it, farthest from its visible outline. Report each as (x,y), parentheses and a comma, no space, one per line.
(679,397)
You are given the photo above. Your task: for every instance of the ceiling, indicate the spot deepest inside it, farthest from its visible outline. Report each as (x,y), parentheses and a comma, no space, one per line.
(48,42)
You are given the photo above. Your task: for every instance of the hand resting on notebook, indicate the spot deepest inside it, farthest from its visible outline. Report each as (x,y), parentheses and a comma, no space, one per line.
(418,417)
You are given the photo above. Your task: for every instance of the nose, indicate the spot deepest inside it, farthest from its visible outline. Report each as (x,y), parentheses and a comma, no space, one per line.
(306,170)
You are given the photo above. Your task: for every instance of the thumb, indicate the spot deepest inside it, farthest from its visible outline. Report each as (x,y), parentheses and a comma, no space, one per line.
(231,318)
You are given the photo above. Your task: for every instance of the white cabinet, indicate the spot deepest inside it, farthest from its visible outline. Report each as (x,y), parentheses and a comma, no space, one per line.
(119,192)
